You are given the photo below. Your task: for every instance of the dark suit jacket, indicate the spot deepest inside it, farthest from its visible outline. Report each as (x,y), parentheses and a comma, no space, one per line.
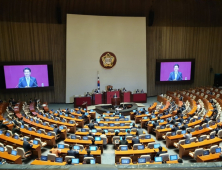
(91,126)
(23,83)
(72,153)
(184,127)
(57,131)
(15,130)
(140,131)
(123,142)
(172,76)
(135,141)
(27,146)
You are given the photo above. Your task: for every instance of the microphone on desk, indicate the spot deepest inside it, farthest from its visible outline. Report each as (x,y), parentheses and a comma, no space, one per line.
(19,83)
(34,82)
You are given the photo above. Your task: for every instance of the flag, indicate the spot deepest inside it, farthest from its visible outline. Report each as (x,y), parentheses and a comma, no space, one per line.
(98,82)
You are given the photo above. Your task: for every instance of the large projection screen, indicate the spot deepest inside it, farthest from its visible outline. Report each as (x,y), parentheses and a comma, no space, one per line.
(88,37)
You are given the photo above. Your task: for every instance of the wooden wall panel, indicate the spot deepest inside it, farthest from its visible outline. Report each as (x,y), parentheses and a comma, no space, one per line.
(35,30)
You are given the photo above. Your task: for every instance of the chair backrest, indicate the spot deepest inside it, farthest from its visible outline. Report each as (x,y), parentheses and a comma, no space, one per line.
(125,158)
(146,156)
(21,152)
(165,156)
(142,136)
(129,138)
(90,137)
(10,132)
(85,158)
(213,148)
(181,142)
(68,157)
(9,148)
(66,145)
(78,137)
(193,139)
(116,138)
(198,152)
(178,132)
(204,125)
(204,137)
(122,130)
(135,146)
(111,130)
(151,145)
(133,130)
(33,129)
(51,156)
(99,129)
(104,140)
(168,134)
(158,127)
(196,127)
(116,124)
(39,141)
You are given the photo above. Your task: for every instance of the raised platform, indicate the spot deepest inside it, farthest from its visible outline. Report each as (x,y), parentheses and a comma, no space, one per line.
(129,107)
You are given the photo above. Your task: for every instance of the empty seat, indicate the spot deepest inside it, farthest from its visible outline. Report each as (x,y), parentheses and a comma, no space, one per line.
(193,139)
(115,138)
(146,156)
(9,148)
(165,156)
(111,130)
(142,136)
(68,157)
(151,145)
(135,146)
(22,153)
(181,142)
(122,130)
(116,124)
(51,156)
(85,158)
(167,134)
(178,132)
(204,137)
(213,149)
(196,153)
(219,133)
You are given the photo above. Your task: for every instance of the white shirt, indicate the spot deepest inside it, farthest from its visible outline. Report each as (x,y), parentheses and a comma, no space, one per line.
(27,81)
(176,76)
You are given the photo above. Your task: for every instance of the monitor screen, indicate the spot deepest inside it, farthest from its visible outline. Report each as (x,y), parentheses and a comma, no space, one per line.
(8,134)
(212,136)
(61,146)
(101,124)
(173,133)
(147,136)
(158,159)
(145,117)
(22,76)
(30,129)
(2,149)
(31,120)
(44,158)
(206,152)
(125,161)
(124,148)
(39,131)
(200,139)
(128,129)
(58,159)
(75,160)
(162,127)
(61,127)
(183,132)
(85,138)
(126,119)
(36,121)
(66,115)
(141,160)
(92,161)
(16,137)
(76,147)
(140,147)
(207,125)
(187,141)
(218,150)
(111,124)
(49,133)
(156,146)
(35,142)
(72,116)
(93,148)
(171,126)
(105,130)
(71,122)
(173,157)
(161,121)
(94,130)
(14,152)
(52,126)
(107,120)
(0,132)
(97,138)
(83,130)
(194,120)
(200,128)
(98,120)
(24,139)
(122,124)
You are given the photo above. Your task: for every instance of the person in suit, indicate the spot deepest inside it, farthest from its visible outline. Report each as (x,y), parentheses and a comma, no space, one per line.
(140,130)
(96,91)
(87,94)
(27,146)
(214,116)
(69,162)
(56,130)
(90,134)
(22,121)
(3,126)
(135,139)
(160,152)
(128,133)
(184,126)
(15,121)
(27,80)
(137,91)
(217,129)
(155,124)
(175,128)
(124,89)
(88,154)
(181,119)
(123,141)
(72,152)
(173,121)
(91,125)
(188,135)
(15,129)
(175,75)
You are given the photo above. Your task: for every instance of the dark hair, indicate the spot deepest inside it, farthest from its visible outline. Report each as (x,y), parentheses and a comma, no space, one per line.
(88,161)
(123,137)
(160,148)
(88,152)
(139,126)
(103,132)
(69,161)
(55,146)
(55,126)
(93,141)
(188,131)
(14,125)
(116,133)
(128,131)
(180,161)
(70,147)
(176,65)
(26,69)
(137,133)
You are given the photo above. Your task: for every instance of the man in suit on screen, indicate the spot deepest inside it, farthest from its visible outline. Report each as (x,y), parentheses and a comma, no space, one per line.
(175,75)
(27,80)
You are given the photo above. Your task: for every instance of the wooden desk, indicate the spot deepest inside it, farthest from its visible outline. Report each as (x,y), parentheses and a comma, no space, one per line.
(79,121)
(171,139)
(50,140)
(184,149)
(129,121)
(161,99)
(150,126)
(134,154)
(39,162)
(96,154)
(84,142)
(139,97)
(110,127)
(72,127)
(78,101)
(16,159)
(9,140)
(209,158)
(153,107)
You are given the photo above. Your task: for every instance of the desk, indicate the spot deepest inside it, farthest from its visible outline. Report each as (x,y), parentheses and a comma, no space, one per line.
(184,149)
(209,158)
(72,127)
(96,154)
(139,97)
(50,140)
(134,154)
(125,121)
(171,139)
(97,98)
(79,121)
(16,159)
(108,95)
(161,99)
(78,101)
(9,140)
(153,107)
(110,127)
(3,107)
(84,142)
(126,96)
(39,162)
(150,126)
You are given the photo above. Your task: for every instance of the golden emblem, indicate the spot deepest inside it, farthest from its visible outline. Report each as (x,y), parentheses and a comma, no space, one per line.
(108,60)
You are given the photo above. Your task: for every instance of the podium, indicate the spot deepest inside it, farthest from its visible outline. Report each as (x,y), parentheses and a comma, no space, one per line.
(115,101)
(126,96)
(97,98)
(139,97)
(108,95)
(78,101)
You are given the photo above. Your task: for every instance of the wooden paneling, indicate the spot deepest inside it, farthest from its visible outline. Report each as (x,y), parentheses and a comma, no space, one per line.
(35,30)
